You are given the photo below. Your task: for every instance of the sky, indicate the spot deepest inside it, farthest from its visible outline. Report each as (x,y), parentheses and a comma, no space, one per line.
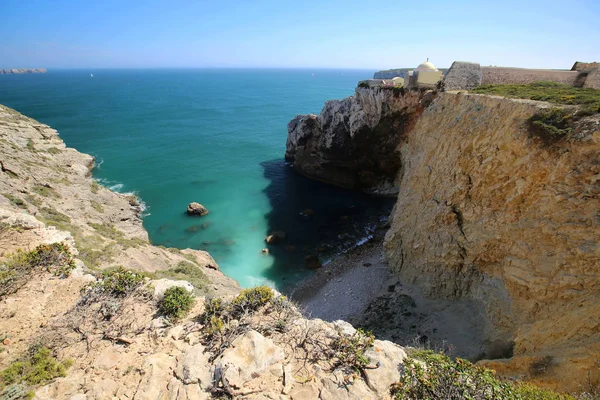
(374,35)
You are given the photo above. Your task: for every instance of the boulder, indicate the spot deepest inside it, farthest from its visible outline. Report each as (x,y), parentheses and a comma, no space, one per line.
(193,367)
(196,209)
(387,356)
(248,357)
(312,262)
(463,76)
(275,237)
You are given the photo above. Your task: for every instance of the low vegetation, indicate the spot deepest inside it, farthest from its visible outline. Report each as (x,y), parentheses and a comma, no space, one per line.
(111,232)
(430,375)
(51,216)
(254,308)
(16,269)
(551,125)
(97,206)
(116,282)
(45,191)
(15,200)
(350,350)
(552,92)
(38,367)
(189,272)
(176,302)
(95,187)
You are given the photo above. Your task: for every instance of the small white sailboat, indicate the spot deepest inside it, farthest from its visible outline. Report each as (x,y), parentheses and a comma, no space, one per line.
(91,75)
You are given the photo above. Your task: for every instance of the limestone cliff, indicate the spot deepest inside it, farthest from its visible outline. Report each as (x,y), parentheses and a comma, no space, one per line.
(120,343)
(486,211)
(489,215)
(353,142)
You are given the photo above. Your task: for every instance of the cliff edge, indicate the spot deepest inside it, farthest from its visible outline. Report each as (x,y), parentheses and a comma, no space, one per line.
(75,326)
(353,142)
(491,210)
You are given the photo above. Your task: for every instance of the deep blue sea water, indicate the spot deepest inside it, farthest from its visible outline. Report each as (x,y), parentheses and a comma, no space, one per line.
(212,136)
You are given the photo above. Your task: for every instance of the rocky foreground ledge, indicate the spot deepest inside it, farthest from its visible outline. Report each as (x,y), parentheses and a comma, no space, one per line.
(103,333)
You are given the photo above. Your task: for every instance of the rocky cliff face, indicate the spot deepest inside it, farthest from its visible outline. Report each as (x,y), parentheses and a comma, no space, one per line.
(487,212)
(354,142)
(120,343)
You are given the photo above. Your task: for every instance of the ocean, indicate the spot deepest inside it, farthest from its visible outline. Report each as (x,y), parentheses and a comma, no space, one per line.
(215,136)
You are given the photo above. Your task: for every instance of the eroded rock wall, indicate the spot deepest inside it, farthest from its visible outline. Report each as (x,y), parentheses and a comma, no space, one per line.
(353,142)
(487,212)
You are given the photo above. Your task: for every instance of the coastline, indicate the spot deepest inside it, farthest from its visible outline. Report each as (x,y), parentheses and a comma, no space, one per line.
(344,287)
(359,287)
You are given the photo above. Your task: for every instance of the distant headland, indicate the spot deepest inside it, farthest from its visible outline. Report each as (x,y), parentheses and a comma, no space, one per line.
(23,71)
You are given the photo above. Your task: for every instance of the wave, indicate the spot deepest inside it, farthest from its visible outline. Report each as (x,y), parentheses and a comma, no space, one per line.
(117,187)
(98,162)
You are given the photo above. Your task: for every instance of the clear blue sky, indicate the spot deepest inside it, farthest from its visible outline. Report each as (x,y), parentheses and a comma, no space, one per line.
(263,33)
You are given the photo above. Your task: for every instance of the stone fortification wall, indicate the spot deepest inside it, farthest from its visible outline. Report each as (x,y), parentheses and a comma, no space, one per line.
(463,76)
(504,75)
(592,81)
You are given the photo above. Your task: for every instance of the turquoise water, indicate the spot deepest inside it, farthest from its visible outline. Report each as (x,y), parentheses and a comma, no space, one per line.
(212,136)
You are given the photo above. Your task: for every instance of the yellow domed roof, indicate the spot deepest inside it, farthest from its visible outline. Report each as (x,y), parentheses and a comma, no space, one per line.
(426,66)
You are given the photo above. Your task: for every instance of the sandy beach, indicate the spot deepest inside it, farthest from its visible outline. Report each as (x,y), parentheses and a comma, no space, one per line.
(359,287)
(344,287)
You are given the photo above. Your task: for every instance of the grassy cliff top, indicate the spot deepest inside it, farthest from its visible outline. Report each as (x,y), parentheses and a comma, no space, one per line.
(552,92)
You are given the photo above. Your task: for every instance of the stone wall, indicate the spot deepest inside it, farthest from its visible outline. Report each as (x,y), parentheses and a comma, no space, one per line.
(463,76)
(593,79)
(505,75)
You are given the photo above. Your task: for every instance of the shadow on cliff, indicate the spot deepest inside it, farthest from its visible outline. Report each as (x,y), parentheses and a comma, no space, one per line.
(317,218)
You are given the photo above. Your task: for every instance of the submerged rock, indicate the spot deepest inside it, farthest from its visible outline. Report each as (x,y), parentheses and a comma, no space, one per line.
(196,209)
(312,262)
(275,237)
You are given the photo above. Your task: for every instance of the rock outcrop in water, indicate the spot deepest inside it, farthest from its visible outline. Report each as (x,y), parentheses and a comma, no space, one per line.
(354,142)
(120,344)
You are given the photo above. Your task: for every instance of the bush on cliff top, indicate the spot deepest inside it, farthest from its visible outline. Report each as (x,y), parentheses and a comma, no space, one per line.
(15,270)
(551,92)
(37,367)
(176,303)
(430,375)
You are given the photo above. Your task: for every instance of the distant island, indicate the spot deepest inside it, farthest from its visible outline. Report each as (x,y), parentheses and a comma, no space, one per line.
(23,71)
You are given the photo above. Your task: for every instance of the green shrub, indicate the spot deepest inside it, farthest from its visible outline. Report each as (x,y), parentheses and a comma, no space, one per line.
(55,257)
(251,299)
(117,282)
(363,85)
(350,350)
(176,302)
(17,267)
(430,375)
(37,367)
(95,187)
(551,125)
